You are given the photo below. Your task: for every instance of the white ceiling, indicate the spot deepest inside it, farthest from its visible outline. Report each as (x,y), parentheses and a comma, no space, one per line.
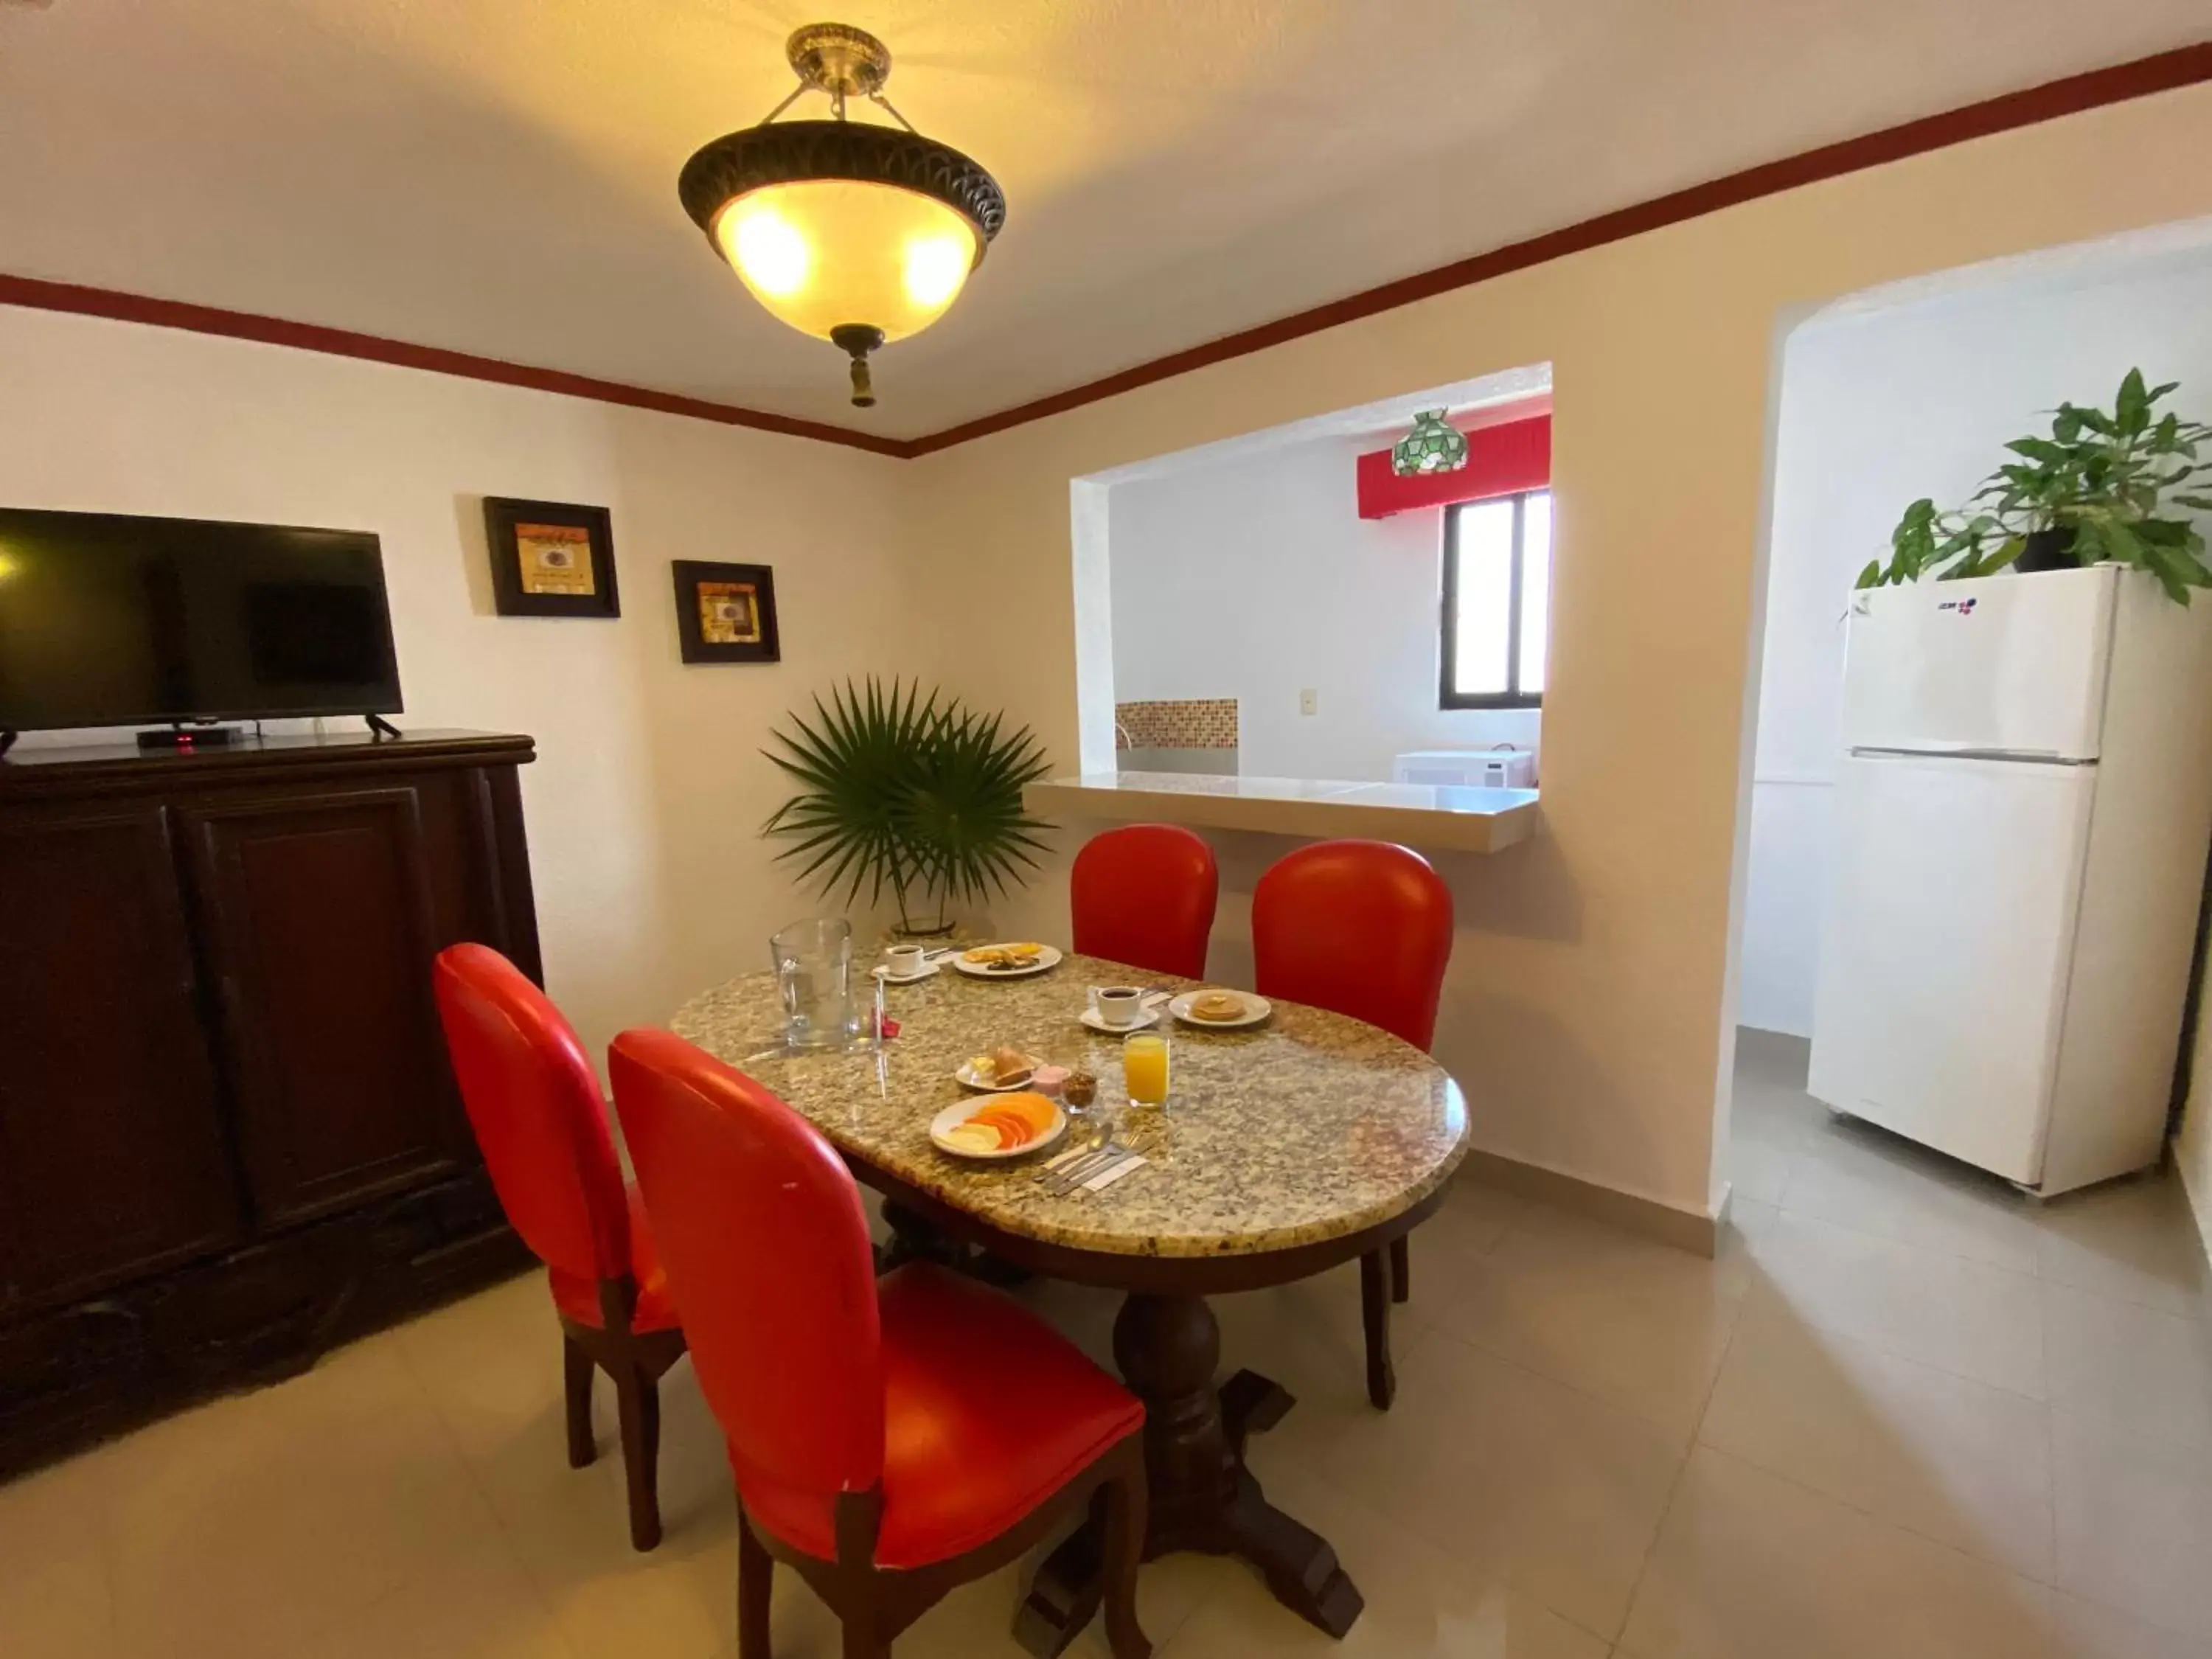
(499,176)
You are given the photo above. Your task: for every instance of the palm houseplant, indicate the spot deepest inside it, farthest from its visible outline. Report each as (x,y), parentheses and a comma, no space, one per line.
(917,798)
(2100,488)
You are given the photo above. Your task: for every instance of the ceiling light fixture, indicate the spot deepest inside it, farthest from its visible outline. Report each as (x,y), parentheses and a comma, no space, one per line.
(1433,445)
(854,232)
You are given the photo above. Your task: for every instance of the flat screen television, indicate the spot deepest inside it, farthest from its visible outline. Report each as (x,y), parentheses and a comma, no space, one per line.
(109,620)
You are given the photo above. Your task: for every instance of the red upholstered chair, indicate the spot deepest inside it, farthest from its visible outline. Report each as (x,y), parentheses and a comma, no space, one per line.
(534,1101)
(1144,894)
(889,1440)
(1363,928)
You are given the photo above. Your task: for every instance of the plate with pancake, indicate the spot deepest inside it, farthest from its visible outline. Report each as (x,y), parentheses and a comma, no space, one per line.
(1216,1010)
(1006,961)
(1004,1125)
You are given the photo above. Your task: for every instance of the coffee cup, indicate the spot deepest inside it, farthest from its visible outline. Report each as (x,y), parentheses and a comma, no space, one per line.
(1118,1007)
(902,961)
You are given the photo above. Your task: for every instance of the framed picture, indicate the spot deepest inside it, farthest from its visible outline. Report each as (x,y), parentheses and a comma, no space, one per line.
(726,612)
(550,558)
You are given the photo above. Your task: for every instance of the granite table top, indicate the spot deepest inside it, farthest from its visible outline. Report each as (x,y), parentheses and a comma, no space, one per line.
(1311,1127)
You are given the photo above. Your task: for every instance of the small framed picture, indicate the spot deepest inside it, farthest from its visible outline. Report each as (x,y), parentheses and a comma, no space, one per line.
(550,558)
(726,612)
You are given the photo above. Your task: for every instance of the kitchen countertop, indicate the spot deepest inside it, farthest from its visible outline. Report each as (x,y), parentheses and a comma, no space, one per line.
(1310,1127)
(1454,818)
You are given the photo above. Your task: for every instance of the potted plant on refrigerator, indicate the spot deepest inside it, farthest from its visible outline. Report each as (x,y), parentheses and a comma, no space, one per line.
(917,796)
(2095,491)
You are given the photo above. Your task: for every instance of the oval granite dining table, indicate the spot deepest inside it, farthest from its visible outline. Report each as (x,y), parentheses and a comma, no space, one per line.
(1284,1150)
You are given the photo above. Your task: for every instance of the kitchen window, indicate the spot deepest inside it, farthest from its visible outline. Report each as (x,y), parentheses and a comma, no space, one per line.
(1497,601)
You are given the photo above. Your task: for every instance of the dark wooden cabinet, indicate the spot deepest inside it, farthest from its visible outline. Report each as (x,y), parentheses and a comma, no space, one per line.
(319,920)
(228,1134)
(111,1155)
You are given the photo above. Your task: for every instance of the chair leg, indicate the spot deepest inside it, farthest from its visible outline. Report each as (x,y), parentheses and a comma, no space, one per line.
(860,1640)
(1401,1267)
(577,1370)
(756,1585)
(1125,1552)
(637,1403)
(1375,1316)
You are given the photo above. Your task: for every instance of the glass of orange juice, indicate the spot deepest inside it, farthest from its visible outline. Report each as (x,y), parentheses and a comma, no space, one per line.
(1145,1068)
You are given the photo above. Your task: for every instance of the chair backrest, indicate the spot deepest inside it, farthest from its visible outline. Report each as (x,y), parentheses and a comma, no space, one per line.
(533,1100)
(760,1227)
(1361,928)
(1144,894)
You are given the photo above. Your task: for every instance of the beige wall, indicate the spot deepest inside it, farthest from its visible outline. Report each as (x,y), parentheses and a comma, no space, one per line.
(649,786)
(1589,1002)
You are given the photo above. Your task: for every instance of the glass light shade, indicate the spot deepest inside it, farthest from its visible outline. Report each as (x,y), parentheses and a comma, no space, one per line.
(821,252)
(1433,445)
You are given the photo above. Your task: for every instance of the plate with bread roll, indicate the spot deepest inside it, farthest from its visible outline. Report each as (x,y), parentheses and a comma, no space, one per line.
(1217,1010)
(999,1070)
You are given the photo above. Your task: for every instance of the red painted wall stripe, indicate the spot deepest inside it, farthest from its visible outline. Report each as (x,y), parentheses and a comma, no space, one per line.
(1501,460)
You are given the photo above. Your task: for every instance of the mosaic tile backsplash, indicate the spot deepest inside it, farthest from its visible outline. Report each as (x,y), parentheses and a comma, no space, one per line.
(1177,723)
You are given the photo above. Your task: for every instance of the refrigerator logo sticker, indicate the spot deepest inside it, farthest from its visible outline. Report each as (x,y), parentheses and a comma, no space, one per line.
(1963,607)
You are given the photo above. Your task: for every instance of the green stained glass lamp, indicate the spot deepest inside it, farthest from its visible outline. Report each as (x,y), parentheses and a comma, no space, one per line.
(1432,446)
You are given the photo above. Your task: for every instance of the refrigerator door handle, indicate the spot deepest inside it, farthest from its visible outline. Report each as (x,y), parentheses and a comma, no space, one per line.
(2021,756)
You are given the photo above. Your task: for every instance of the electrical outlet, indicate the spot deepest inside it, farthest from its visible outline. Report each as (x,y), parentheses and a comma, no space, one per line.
(1310,702)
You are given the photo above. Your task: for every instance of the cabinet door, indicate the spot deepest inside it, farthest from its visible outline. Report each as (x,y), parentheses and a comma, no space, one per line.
(317,914)
(113,1159)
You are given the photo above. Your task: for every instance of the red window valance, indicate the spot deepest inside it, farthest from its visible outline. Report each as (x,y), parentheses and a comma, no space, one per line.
(1503,458)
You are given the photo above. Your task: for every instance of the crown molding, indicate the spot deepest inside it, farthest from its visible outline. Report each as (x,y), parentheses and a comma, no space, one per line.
(2166,71)
(39,295)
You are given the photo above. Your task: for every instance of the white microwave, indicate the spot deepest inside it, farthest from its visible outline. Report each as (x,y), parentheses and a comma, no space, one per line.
(1507,766)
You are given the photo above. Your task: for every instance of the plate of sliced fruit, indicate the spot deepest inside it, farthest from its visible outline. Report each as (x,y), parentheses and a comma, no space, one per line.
(1005,1126)
(1001,1069)
(1006,961)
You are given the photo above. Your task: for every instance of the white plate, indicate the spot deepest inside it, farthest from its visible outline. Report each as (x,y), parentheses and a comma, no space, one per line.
(969,1080)
(1046,959)
(1256,1008)
(929,971)
(1089,1016)
(960,1110)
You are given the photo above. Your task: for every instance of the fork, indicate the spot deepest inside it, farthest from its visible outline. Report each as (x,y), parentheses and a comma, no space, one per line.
(1098,1161)
(1083,1142)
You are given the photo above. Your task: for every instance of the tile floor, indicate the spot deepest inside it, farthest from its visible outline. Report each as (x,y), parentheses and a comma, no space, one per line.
(1903,1414)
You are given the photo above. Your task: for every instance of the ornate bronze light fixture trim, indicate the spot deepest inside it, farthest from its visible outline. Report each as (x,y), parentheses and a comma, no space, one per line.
(855,232)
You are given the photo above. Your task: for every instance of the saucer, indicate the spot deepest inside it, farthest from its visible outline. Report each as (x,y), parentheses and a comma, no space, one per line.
(1089,1016)
(929,970)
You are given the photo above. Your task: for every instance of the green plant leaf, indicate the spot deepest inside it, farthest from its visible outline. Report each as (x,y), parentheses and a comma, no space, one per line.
(2131,409)
(915,795)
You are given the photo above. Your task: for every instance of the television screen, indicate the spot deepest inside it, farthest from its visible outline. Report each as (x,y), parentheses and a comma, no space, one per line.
(107,620)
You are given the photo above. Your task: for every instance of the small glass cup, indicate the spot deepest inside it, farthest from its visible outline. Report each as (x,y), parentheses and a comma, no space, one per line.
(1145,1068)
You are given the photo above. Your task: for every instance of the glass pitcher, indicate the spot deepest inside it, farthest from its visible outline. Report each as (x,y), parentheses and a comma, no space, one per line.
(814,973)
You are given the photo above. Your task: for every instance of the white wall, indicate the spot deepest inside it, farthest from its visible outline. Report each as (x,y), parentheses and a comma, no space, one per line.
(1878,409)
(644,804)
(1257,578)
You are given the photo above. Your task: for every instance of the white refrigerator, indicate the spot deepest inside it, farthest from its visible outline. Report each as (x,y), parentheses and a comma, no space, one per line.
(2022,816)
